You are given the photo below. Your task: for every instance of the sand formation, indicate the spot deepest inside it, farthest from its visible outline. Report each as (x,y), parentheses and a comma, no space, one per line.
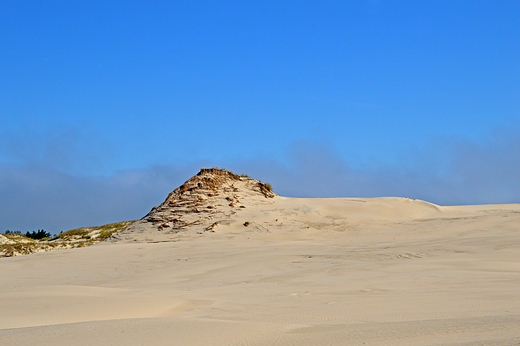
(216,202)
(209,199)
(5,240)
(224,261)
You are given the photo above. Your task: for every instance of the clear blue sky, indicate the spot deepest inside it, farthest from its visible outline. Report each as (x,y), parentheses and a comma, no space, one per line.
(106,107)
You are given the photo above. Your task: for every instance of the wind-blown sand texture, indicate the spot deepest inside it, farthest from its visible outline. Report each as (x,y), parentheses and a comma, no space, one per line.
(227,262)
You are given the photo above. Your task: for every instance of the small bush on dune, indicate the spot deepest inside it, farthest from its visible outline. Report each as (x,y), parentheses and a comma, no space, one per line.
(40,234)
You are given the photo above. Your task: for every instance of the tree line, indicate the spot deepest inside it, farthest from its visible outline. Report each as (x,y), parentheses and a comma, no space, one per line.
(37,235)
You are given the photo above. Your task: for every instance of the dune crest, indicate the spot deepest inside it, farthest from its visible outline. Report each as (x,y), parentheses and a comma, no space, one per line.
(217,202)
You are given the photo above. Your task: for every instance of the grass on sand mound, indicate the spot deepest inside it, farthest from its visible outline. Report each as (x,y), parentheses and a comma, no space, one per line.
(19,244)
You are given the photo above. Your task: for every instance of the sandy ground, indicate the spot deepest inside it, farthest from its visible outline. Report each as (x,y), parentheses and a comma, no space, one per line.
(383,271)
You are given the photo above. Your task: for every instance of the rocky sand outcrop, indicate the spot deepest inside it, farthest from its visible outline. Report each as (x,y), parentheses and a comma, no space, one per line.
(212,197)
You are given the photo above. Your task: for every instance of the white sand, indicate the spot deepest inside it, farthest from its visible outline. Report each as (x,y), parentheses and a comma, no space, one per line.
(382,271)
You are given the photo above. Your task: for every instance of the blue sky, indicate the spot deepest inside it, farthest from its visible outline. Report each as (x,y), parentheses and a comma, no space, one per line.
(106,107)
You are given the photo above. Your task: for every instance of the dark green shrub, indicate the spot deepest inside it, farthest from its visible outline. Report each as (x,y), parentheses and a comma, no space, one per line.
(38,235)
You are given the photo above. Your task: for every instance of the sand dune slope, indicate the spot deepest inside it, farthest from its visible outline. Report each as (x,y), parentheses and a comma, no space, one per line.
(281,271)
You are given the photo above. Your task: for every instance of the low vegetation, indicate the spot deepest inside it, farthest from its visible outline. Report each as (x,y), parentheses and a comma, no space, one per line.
(41,234)
(95,234)
(267,186)
(16,243)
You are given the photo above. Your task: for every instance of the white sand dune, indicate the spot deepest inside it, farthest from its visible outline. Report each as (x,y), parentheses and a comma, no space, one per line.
(281,271)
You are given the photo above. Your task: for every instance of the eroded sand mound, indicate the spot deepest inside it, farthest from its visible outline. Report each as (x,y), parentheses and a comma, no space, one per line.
(211,198)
